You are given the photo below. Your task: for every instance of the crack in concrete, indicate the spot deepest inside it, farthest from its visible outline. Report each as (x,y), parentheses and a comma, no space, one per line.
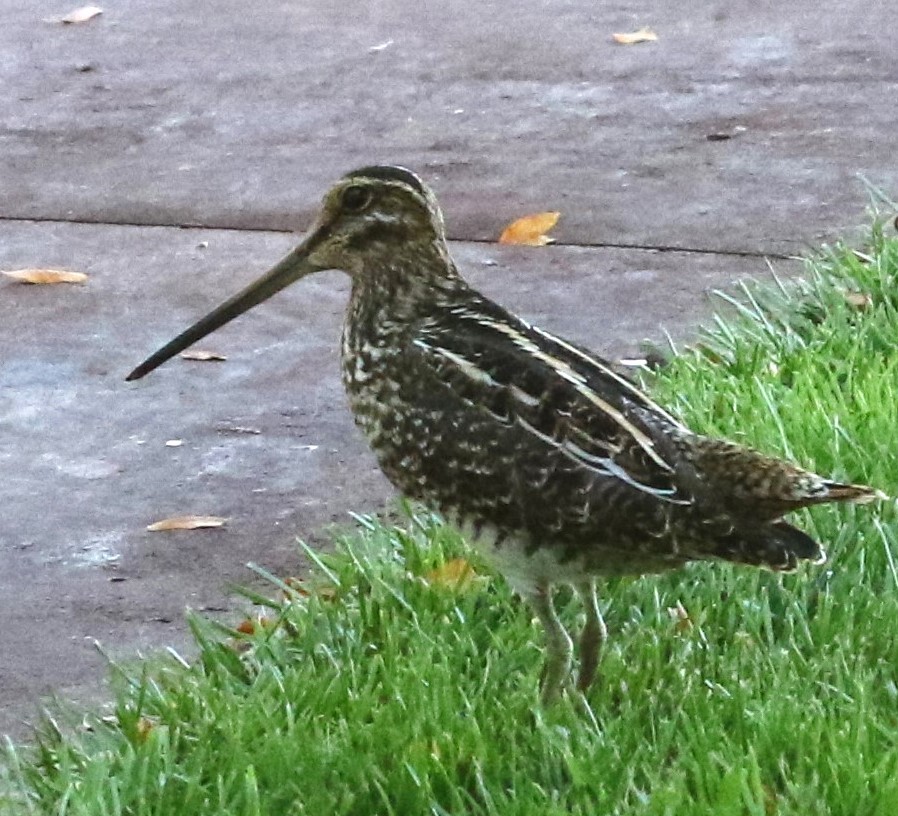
(726,253)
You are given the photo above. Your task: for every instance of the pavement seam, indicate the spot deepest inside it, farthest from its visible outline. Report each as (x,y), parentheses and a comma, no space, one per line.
(727,253)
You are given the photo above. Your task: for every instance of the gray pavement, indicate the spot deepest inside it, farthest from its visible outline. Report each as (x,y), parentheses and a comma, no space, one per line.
(677,167)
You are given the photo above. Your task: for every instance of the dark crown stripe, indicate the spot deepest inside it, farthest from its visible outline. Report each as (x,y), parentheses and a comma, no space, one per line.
(390,173)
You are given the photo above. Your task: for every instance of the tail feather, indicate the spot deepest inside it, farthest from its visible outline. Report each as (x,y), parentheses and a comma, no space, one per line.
(778,546)
(770,487)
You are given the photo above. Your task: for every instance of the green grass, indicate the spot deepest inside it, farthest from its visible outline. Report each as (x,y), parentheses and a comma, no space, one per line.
(381,693)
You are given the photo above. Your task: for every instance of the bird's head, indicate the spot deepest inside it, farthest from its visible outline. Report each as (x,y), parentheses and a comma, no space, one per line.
(381,225)
(374,216)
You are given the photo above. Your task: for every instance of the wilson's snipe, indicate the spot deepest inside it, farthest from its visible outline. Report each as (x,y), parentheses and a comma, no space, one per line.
(557,467)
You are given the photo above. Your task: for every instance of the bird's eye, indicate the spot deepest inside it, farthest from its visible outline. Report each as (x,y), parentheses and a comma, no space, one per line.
(355,198)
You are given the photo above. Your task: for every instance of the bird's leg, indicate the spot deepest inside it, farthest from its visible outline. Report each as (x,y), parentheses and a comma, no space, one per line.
(559,647)
(592,637)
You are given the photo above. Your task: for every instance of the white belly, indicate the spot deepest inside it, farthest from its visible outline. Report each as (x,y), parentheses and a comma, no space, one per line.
(524,571)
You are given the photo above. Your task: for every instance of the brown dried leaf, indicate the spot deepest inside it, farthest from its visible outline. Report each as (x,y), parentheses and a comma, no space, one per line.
(44,275)
(456,574)
(202,355)
(680,617)
(186,523)
(859,300)
(530,230)
(632,37)
(249,626)
(81,15)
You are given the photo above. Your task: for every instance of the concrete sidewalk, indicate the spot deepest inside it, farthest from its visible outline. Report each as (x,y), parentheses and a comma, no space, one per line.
(677,166)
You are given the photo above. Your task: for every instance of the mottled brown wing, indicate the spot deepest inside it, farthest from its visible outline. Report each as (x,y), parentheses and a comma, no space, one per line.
(571,401)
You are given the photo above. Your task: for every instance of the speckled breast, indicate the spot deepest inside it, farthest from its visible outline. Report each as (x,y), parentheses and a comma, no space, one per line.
(431,445)
(510,496)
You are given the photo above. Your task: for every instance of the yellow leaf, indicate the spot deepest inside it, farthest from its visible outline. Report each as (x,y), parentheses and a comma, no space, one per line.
(81,15)
(186,523)
(44,275)
(202,355)
(633,37)
(530,230)
(456,574)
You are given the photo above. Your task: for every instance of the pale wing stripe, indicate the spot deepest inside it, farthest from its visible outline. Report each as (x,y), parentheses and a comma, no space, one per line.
(573,430)
(469,369)
(565,371)
(523,397)
(477,374)
(549,440)
(600,464)
(609,466)
(622,381)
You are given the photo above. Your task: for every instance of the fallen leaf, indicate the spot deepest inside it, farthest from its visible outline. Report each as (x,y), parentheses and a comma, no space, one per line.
(633,37)
(249,626)
(81,15)
(456,574)
(530,230)
(680,617)
(859,300)
(44,275)
(186,523)
(202,355)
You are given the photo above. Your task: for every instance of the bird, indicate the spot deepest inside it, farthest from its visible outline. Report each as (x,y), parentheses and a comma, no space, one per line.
(555,466)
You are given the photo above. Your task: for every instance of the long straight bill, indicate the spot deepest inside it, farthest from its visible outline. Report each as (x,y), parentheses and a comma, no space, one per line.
(293,267)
